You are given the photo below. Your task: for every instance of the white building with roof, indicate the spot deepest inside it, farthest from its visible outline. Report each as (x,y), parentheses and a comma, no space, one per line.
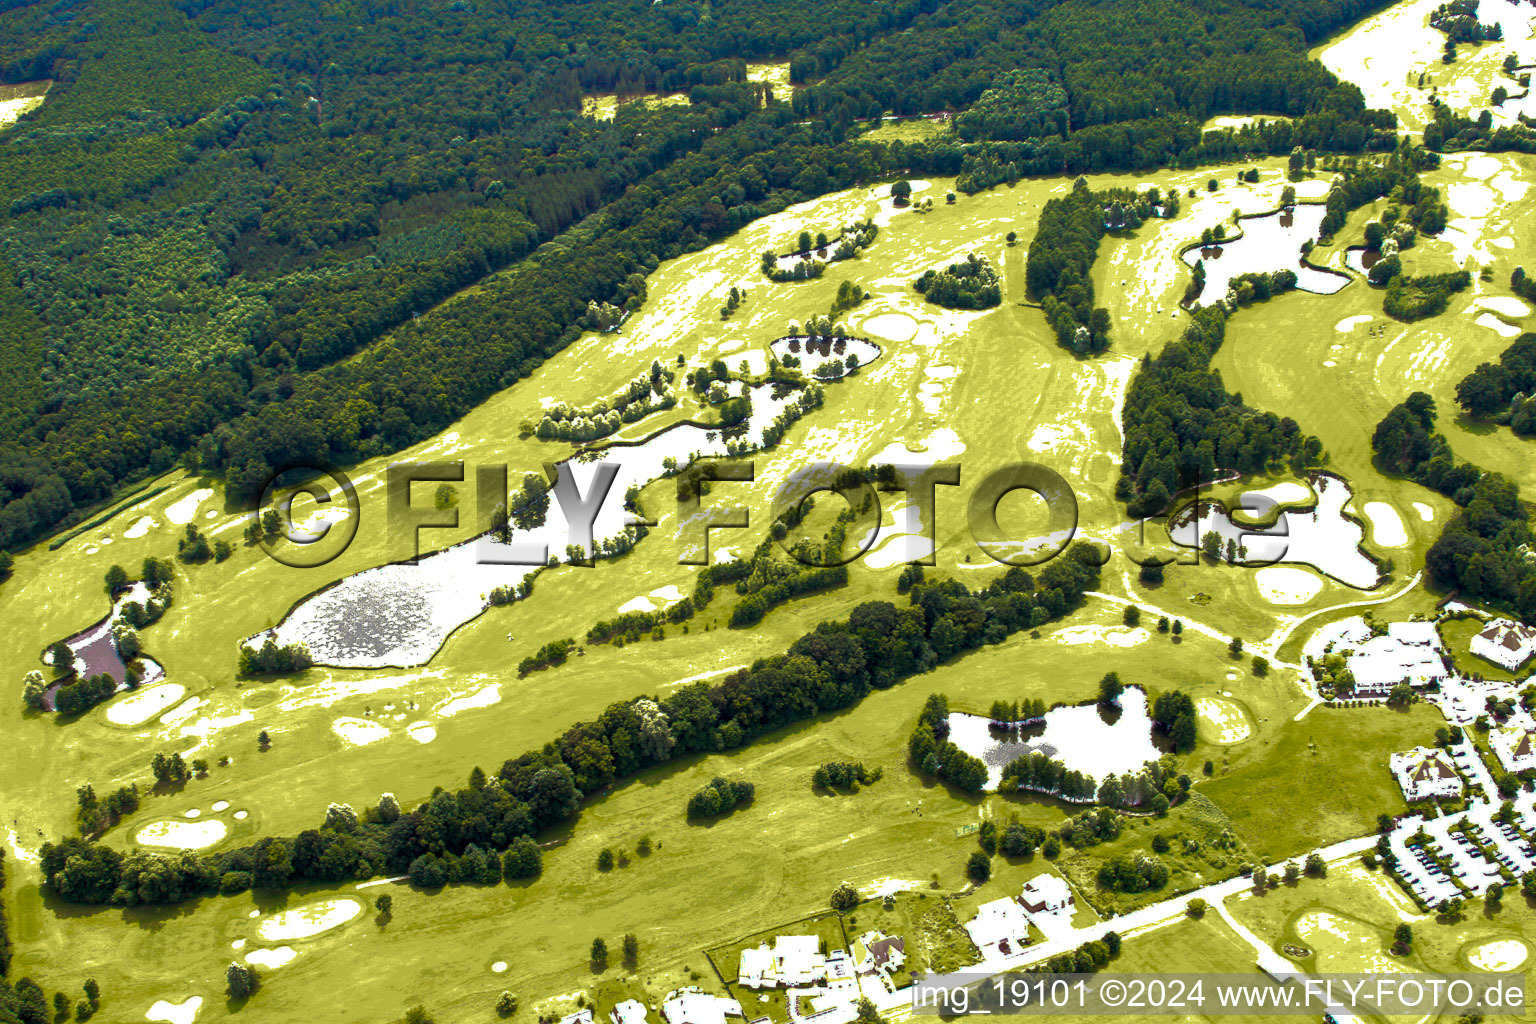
(582,1016)
(1425,773)
(797,960)
(1506,643)
(692,1005)
(1047,894)
(1515,747)
(1000,927)
(755,968)
(630,1011)
(1409,652)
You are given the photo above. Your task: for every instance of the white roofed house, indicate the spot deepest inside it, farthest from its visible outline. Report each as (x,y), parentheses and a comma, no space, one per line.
(582,1016)
(630,1011)
(755,969)
(1001,926)
(1506,643)
(797,960)
(1046,894)
(692,1005)
(1424,773)
(1515,747)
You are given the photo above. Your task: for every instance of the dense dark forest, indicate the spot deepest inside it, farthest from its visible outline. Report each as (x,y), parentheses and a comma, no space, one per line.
(460,836)
(226,235)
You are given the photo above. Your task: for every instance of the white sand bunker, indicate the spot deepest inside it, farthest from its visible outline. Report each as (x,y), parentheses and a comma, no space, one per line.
(1349,323)
(359,731)
(242,815)
(1426,512)
(1499,955)
(1279,585)
(1496,325)
(220,805)
(1506,304)
(306,922)
(175,1013)
(1114,636)
(636,604)
(1224,720)
(279,957)
(140,527)
(1386,525)
(891,326)
(139,707)
(192,813)
(182,511)
(499,967)
(421,732)
(181,835)
(481,698)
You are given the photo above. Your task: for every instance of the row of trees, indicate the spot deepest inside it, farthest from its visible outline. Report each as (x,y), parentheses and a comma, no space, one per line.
(832,667)
(1481,549)
(1059,272)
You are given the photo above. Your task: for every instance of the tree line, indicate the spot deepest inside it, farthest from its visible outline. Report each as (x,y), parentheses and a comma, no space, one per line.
(1481,548)
(832,667)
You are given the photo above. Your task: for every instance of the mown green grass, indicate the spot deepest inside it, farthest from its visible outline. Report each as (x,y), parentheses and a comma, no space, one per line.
(779,859)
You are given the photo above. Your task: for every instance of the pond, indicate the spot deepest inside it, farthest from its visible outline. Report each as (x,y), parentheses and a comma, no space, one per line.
(1320,537)
(1082,737)
(815,353)
(1269,242)
(400,614)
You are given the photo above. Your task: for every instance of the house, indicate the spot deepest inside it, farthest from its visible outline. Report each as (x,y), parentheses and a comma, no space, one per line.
(692,1005)
(1424,774)
(1515,747)
(1000,927)
(582,1016)
(797,960)
(888,953)
(1046,894)
(755,969)
(1505,643)
(630,1011)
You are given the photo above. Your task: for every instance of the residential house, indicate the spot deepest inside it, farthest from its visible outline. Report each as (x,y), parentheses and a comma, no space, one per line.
(1505,643)
(1424,773)
(630,1011)
(797,960)
(1046,894)
(1001,926)
(888,953)
(1515,747)
(692,1005)
(582,1016)
(755,968)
